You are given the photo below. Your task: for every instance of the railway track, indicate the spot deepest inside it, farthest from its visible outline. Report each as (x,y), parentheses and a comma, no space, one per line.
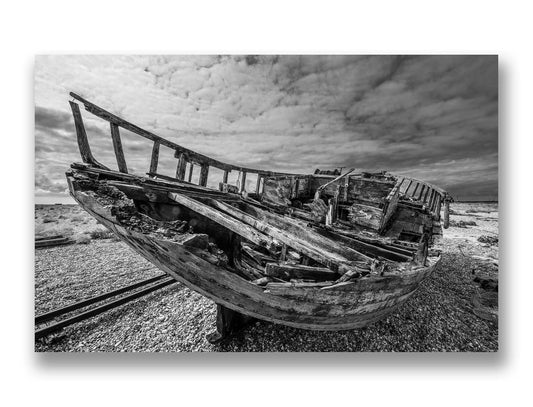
(57,319)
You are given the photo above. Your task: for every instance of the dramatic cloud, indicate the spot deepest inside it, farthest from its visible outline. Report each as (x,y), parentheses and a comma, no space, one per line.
(432,117)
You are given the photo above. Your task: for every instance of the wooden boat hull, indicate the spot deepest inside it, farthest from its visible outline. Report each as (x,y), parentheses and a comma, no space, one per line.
(360,242)
(354,305)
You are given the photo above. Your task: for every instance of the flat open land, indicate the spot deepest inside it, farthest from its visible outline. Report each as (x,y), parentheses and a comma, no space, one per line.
(456,309)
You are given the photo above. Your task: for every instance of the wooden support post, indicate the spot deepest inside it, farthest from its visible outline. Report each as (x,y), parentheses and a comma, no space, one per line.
(330,215)
(426,195)
(431,201)
(204,172)
(346,187)
(258,185)
(408,186)
(190,171)
(283,255)
(155,158)
(83,142)
(437,210)
(182,166)
(295,185)
(225,177)
(421,192)
(446,213)
(416,189)
(229,322)
(242,187)
(117,146)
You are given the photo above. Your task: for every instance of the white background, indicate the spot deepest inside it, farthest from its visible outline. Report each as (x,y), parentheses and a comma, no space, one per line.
(29,28)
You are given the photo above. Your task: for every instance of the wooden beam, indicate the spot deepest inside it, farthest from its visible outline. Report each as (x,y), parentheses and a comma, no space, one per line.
(83,142)
(204,172)
(258,185)
(190,171)
(346,187)
(408,186)
(242,186)
(431,200)
(426,195)
(422,192)
(416,188)
(330,216)
(182,165)
(155,157)
(225,177)
(437,209)
(446,213)
(117,146)
(288,271)
(228,222)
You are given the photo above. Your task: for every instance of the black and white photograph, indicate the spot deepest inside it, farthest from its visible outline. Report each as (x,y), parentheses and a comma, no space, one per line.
(282,203)
(266,203)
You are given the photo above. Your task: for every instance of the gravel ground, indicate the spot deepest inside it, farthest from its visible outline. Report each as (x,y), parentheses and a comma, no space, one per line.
(441,316)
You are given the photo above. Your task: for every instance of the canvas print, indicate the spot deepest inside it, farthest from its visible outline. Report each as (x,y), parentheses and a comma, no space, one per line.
(266,203)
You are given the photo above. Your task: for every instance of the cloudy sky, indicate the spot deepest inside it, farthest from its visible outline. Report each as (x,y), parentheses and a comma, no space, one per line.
(431,117)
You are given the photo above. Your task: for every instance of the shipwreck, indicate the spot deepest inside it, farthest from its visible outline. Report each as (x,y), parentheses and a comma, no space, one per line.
(331,250)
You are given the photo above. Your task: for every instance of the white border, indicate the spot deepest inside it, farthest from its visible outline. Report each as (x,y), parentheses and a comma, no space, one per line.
(269,27)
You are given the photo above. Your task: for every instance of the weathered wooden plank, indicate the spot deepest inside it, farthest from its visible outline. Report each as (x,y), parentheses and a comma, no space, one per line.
(438,207)
(182,166)
(389,253)
(283,254)
(421,193)
(332,210)
(295,186)
(204,172)
(408,186)
(155,157)
(81,135)
(191,168)
(242,185)
(416,189)
(431,200)
(426,194)
(117,146)
(272,286)
(446,213)
(228,222)
(288,271)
